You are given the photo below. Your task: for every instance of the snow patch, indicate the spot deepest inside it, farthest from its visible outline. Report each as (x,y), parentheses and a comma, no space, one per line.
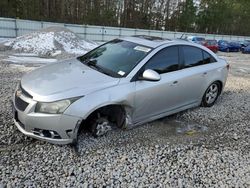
(51,42)
(32,59)
(25,54)
(40,44)
(4,40)
(21,67)
(56,53)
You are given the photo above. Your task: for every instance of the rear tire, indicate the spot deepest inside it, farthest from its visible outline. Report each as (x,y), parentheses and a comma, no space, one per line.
(211,95)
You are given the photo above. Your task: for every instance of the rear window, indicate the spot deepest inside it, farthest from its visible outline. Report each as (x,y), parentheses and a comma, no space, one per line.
(208,58)
(193,56)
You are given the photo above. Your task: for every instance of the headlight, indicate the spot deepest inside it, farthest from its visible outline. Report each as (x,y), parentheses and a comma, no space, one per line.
(57,107)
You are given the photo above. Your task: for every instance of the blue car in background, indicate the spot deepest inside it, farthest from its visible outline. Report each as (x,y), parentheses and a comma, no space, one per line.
(198,40)
(244,44)
(226,46)
(246,50)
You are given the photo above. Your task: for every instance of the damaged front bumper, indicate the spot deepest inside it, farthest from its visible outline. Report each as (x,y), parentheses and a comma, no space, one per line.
(54,128)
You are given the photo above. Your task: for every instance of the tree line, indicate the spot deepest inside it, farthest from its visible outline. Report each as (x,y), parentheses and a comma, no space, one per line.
(203,16)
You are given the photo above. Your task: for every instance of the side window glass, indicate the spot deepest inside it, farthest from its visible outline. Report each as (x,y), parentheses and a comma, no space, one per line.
(166,60)
(193,56)
(208,58)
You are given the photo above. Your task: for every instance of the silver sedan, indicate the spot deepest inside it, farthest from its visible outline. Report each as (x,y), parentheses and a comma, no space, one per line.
(122,83)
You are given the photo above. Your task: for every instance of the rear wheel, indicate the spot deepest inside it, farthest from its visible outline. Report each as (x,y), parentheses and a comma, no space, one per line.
(211,95)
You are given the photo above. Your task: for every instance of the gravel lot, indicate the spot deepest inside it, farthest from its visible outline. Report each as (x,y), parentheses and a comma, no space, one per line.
(201,147)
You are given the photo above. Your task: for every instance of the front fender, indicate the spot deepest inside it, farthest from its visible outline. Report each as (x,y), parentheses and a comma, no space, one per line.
(121,94)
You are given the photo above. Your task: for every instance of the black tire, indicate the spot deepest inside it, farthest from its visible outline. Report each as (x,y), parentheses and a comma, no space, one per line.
(211,94)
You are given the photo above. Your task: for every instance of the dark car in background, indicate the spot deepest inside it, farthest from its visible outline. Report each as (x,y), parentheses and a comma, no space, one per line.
(244,44)
(246,50)
(197,40)
(212,45)
(226,46)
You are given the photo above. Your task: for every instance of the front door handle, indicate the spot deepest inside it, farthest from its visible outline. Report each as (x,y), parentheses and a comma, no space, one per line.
(205,73)
(174,83)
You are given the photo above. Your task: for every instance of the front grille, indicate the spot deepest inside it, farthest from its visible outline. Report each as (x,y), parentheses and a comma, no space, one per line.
(20,104)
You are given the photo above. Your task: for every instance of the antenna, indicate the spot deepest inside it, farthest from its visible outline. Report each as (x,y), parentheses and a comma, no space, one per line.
(182,35)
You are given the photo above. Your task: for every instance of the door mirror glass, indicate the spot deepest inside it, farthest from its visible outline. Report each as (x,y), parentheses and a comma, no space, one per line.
(151,75)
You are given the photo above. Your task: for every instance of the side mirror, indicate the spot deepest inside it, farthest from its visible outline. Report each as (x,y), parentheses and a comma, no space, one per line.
(150,75)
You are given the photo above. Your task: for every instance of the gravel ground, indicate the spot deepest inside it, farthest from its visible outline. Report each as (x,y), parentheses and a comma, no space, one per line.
(201,147)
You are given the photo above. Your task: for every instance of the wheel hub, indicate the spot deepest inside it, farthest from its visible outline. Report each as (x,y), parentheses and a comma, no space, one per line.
(102,128)
(212,93)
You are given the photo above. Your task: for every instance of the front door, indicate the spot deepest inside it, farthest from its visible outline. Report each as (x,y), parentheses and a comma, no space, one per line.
(153,98)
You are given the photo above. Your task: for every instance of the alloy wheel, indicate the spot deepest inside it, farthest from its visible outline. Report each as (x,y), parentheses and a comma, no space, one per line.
(212,93)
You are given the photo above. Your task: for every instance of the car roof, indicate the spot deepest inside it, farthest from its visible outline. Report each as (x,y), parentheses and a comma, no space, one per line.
(152,41)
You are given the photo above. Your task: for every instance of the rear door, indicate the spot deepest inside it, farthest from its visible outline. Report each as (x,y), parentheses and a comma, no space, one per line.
(194,74)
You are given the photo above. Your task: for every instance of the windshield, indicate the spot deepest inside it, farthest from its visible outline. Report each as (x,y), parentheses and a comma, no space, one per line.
(199,39)
(223,42)
(233,43)
(116,58)
(211,42)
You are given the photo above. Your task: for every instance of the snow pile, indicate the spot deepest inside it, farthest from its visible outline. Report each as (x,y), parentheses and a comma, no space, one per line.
(50,42)
(71,43)
(3,40)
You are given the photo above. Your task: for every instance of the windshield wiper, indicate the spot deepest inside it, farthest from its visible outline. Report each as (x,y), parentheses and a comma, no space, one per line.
(93,63)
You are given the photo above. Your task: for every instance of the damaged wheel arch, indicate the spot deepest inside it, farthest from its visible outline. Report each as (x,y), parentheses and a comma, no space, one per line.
(114,115)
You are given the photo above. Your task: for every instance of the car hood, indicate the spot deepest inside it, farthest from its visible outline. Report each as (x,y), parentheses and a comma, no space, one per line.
(65,79)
